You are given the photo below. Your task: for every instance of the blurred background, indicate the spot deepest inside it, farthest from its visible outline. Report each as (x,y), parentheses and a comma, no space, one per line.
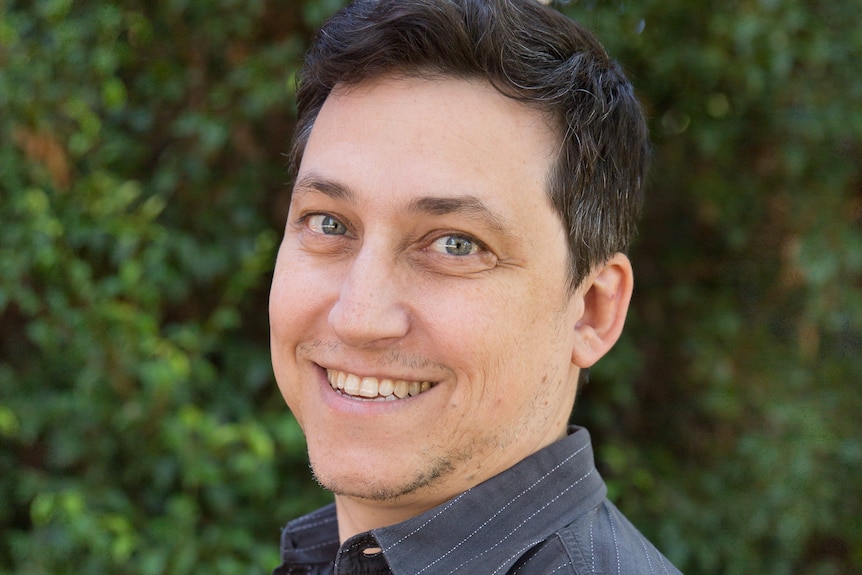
(142,194)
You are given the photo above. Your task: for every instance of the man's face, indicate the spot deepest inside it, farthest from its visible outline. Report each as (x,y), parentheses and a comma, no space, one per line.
(423,273)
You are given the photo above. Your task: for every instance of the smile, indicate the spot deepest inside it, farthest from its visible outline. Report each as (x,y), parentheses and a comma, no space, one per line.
(373,389)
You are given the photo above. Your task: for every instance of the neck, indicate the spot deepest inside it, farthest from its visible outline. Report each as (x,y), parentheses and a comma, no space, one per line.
(357,515)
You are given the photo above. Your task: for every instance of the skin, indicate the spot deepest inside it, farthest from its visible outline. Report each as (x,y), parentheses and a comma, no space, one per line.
(421,246)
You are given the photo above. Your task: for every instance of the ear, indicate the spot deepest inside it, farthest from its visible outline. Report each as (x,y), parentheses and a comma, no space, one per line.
(605,296)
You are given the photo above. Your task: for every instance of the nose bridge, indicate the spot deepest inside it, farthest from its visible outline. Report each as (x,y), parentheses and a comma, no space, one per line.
(370,306)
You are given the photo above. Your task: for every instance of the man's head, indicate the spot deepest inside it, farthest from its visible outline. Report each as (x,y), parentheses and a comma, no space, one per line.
(425,329)
(528,52)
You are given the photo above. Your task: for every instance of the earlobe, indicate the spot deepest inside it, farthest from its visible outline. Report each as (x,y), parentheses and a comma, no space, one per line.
(606,294)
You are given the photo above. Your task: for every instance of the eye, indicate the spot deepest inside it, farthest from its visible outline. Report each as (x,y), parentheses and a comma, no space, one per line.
(327,225)
(456,246)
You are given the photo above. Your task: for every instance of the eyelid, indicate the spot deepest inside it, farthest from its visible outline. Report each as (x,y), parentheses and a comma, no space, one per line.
(480,260)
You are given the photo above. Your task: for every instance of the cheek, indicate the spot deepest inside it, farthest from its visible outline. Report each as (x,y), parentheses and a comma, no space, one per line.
(296,304)
(477,332)
(502,336)
(298,291)
(283,306)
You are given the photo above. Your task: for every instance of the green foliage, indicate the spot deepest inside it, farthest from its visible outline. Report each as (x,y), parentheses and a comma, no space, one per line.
(741,433)
(142,192)
(139,169)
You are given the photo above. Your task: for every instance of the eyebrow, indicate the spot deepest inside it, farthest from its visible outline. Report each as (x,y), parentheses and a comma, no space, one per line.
(330,188)
(466,205)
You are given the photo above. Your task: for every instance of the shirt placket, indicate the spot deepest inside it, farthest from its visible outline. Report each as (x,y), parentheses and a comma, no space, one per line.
(361,555)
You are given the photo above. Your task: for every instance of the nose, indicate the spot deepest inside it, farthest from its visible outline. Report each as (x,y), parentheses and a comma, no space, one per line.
(370,307)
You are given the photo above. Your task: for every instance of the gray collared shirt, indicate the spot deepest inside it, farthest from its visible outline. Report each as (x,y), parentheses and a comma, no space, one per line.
(546,515)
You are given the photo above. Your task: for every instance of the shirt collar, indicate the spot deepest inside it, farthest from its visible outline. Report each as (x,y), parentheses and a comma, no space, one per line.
(491,524)
(312,539)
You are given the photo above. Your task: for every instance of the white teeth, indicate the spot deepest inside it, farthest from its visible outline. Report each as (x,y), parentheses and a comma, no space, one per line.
(371,388)
(387,387)
(351,385)
(402,388)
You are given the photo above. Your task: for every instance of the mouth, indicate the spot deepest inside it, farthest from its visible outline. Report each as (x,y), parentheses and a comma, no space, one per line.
(374,389)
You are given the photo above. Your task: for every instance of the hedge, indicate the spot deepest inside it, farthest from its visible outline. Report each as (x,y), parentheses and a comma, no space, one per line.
(143,187)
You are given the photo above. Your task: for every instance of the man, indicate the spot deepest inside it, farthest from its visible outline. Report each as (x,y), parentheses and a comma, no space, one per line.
(468,176)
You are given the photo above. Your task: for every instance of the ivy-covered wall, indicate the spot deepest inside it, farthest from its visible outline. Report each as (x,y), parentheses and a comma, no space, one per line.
(142,193)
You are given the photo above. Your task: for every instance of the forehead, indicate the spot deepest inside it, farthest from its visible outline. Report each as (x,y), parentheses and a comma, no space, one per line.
(428,127)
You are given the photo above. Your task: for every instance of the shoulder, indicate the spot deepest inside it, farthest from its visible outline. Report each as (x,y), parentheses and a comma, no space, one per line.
(602,541)
(605,541)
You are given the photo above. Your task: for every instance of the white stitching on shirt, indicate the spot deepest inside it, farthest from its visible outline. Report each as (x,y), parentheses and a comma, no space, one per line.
(430,519)
(517,554)
(648,560)
(530,558)
(499,511)
(542,478)
(522,565)
(521,524)
(557,568)
(594,513)
(662,562)
(616,546)
(316,546)
(313,524)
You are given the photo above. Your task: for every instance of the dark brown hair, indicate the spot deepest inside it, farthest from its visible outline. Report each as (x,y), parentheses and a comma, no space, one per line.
(528,52)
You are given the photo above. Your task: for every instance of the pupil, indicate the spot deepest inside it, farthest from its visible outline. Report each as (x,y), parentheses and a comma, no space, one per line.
(458,246)
(330,225)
